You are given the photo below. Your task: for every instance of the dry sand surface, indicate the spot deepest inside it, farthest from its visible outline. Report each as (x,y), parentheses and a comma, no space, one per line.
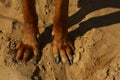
(94,25)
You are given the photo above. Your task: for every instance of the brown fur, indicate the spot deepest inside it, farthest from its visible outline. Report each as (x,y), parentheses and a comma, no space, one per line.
(61,42)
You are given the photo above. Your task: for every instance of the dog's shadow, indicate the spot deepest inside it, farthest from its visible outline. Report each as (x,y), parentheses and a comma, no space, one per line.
(89,6)
(86,7)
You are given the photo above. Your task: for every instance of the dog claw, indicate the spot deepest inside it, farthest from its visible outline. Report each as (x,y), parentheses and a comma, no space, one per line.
(70,62)
(57,59)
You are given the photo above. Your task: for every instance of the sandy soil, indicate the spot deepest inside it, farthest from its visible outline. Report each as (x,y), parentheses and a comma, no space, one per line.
(94,25)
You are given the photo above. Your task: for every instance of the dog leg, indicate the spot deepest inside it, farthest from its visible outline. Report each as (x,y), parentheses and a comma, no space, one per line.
(29,43)
(62,43)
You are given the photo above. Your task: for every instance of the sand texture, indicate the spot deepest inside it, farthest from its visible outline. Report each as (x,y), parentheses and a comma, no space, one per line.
(94,25)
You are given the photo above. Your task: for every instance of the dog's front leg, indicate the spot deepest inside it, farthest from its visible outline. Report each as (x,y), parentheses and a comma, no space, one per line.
(62,43)
(29,43)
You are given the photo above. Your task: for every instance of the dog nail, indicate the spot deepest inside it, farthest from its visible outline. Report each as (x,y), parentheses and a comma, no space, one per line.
(57,59)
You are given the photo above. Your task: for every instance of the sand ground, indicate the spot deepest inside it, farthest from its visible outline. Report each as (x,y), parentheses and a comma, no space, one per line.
(94,25)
